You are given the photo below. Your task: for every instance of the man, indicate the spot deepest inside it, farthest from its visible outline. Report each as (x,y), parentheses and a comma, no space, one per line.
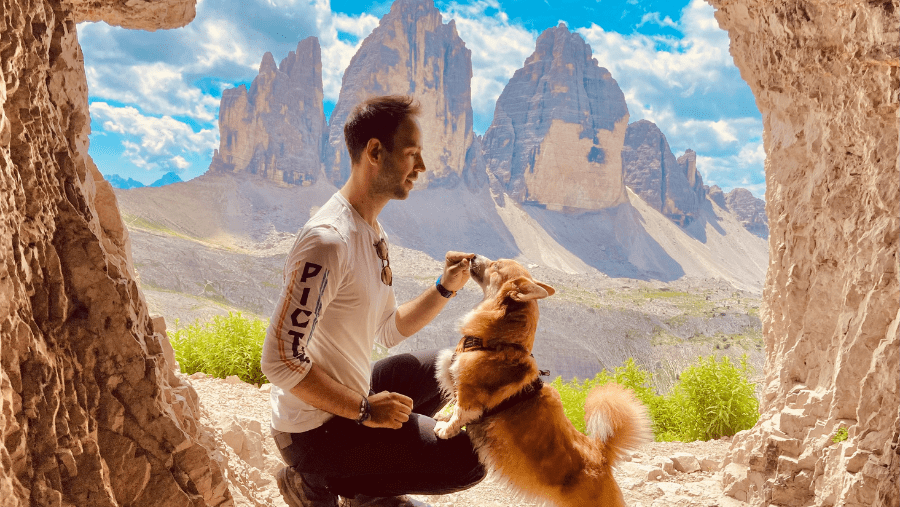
(344,428)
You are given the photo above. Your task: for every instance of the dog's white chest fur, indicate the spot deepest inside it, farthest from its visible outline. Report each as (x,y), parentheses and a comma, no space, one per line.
(447,371)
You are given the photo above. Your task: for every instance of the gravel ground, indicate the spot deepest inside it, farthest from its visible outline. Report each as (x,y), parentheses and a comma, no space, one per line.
(238,416)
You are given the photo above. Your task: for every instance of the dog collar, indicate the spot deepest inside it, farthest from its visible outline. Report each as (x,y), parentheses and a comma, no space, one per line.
(526,393)
(476,343)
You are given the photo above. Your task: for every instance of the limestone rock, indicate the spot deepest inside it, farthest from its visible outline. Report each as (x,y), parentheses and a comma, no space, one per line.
(88,413)
(151,16)
(412,52)
(715,194)
(686,463)
(276,129)
(558,129)
(672,186)
(750,210)
(825,77)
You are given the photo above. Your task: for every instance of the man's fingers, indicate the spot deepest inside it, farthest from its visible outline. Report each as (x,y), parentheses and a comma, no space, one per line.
(457,257)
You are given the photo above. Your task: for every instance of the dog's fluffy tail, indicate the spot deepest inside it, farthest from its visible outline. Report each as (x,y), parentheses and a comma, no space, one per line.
(615,417)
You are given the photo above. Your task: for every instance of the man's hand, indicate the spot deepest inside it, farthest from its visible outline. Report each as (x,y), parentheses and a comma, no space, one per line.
(388,410)
(456,270)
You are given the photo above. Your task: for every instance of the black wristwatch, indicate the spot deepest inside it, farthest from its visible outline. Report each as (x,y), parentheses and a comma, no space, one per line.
(443,290)
(364,413)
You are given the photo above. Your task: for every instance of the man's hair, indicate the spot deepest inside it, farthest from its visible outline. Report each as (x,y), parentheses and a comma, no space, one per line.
(377,117)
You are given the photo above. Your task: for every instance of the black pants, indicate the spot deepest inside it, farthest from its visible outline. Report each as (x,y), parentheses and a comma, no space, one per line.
(351,459)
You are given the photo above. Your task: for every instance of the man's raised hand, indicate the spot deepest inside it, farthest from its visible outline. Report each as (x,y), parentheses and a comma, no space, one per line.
(456,270)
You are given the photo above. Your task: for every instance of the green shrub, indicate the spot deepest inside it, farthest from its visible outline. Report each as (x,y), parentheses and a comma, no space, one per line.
(713,398)
(629,375)
(840,435)
(222,347)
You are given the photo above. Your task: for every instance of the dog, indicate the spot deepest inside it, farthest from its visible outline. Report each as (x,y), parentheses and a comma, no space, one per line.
(515,421)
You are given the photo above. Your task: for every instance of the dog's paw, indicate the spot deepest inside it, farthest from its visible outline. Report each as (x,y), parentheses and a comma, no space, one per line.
(442,416)
(443,431)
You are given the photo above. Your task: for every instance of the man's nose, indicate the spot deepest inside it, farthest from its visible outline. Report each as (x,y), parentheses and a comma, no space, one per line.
(420,163)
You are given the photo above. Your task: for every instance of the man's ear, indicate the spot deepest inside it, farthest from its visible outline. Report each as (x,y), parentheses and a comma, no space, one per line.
(374,151)
(527,290)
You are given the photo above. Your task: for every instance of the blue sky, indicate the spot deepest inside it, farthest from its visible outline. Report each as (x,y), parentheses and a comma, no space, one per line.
(154,96)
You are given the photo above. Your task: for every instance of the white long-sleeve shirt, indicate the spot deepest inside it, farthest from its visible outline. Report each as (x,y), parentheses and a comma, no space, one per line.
(331,311)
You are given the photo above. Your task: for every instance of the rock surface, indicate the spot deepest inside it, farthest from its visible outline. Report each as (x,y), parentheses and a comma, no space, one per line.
(235,416)
(672,186)
(825,76)
(558,129)
(276,129)
(91,413)
(749,210)
(412,52)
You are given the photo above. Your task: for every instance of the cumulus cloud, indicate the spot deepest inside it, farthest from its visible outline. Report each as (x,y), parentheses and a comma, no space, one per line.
(653,17)
(153,143)
(340,36)
(498,47)
(744,169)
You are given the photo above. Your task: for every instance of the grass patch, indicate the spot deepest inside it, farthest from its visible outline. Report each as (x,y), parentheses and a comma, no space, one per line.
(222,347)
(133,221)
(712,398)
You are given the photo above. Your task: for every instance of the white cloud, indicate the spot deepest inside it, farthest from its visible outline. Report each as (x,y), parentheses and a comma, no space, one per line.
(653,17)
(337,52)
(744,169)
(153,143)
(498,50)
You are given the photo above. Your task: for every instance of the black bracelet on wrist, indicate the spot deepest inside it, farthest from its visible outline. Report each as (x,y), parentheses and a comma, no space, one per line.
(443,290)
(364,414)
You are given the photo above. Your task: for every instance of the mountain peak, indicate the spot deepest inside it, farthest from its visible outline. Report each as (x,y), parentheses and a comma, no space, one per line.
(559,126)
(412,52)
(267,66)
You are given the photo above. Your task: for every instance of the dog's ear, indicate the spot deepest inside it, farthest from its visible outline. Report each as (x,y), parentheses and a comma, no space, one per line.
(526,290)
(550,290)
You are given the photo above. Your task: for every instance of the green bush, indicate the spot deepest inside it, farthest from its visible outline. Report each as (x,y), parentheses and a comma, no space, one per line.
(713,398)
(222,347)
(840,435)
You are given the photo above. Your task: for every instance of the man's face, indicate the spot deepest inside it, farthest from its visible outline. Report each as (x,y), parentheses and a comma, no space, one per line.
(402,165)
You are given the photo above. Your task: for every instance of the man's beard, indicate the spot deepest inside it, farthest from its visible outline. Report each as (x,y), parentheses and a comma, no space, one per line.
(387,182)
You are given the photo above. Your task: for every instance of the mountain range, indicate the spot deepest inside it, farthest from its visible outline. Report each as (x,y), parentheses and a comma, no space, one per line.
(119,182)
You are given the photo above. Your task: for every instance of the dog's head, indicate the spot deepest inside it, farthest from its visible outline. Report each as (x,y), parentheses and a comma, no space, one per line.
(509,309)
(505,278)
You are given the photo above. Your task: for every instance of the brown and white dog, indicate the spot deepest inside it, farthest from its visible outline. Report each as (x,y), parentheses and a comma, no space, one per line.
(517,423)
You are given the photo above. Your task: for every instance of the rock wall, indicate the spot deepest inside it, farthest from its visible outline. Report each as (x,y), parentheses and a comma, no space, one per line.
(558,129)
(412,52)
(672,186)
(276,129)
(825,76)
(90,413)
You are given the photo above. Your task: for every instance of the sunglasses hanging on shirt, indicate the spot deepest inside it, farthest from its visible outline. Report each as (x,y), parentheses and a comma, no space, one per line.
(381,249)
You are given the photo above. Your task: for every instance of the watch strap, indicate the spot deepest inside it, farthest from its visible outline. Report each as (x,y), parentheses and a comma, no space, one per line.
(443,290)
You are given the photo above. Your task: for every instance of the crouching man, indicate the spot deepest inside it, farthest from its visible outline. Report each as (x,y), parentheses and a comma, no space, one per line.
(347,429)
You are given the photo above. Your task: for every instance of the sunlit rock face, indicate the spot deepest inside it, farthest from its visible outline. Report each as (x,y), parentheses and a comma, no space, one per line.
(558,129)
(412,52)
(90,411)
(672,186)
(156,15)
(276,129)
(825,76)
